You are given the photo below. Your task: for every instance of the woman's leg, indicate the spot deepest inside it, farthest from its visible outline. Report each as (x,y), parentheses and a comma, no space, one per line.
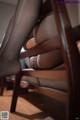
(31,43)
(47,60)
(7,35)
(44,31)
(26,15)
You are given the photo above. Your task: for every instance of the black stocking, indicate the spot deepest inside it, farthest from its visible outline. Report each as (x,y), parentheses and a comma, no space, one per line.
(25,17)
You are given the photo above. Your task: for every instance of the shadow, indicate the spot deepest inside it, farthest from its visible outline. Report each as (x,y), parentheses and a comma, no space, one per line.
(40,116)
(6,96)
(50,106)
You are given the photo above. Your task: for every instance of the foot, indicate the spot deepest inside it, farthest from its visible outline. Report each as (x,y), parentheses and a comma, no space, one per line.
(8,68)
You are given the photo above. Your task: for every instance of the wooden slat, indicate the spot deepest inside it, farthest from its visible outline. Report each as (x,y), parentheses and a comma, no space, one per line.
(49,74)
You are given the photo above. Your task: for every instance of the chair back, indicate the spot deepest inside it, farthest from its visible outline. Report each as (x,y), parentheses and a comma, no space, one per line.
(71,55)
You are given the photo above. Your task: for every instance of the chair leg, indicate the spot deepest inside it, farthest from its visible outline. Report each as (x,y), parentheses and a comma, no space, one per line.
(15,92)
(2,83)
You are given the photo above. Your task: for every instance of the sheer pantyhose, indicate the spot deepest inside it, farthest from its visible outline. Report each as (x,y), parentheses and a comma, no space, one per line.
(19,29)
(25,17)
(42,32)
(7,35)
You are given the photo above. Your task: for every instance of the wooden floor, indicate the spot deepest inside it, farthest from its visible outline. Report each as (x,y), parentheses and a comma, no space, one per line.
(32,106)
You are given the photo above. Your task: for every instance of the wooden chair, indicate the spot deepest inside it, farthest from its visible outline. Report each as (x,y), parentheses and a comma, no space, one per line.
(2,86)
(70,73)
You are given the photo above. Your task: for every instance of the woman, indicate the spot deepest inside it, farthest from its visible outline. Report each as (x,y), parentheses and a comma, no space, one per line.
(29,13)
